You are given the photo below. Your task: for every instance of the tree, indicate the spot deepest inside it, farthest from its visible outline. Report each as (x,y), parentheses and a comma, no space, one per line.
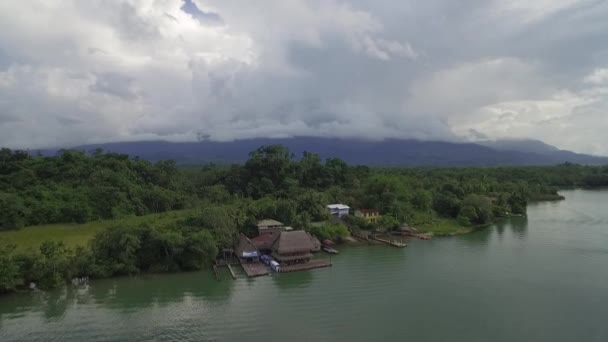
(12,212)
(476,210)
(422,200)
(388,222)
(115,251)
(9,269)
(330,232)
(310,170)
(447,205)
(268,167)
(51,268)
(199,251)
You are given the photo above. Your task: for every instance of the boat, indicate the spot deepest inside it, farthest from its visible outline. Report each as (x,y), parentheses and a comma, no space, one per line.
(274,266)
(329,250)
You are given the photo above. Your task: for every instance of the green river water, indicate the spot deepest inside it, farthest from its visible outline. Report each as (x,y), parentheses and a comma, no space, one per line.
(540,278)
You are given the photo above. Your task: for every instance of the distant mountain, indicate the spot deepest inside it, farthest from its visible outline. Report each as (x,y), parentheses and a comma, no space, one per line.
(390,152)
(520,145)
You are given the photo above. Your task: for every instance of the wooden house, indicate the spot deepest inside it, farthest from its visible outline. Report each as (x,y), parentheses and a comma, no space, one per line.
(370,215)
(270,227)
(338,210)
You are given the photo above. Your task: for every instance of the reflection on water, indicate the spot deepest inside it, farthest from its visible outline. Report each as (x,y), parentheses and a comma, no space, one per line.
(56,303)
(137,293)
(294,281)
(519,226)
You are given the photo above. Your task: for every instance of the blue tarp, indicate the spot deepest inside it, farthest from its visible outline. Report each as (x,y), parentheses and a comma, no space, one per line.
(250,254)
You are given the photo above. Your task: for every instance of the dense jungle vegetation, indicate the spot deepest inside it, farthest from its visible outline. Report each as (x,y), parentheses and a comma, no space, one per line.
(76,187)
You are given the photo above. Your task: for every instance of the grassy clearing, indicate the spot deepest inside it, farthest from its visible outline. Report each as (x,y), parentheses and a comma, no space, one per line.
(78,234)
(440,226)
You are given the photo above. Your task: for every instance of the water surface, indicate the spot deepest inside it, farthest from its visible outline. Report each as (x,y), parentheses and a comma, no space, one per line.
(540,278)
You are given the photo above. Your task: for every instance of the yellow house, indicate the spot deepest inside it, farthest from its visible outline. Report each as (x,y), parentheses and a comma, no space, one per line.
(371,215)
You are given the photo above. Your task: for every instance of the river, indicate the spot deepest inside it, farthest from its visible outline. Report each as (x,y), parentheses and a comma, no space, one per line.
(540,278)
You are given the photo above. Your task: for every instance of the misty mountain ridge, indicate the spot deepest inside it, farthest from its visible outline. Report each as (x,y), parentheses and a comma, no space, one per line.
(389,152)
(521,145)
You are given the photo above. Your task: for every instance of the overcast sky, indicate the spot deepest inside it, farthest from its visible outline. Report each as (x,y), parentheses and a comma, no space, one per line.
(74,72)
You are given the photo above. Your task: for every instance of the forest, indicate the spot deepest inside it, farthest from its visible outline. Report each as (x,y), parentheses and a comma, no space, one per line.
(223,201)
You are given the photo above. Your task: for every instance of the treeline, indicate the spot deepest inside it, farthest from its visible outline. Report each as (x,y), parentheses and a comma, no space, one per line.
(75,187)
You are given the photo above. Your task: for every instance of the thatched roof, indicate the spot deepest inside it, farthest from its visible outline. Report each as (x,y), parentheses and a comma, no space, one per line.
(316,244)
(264,241)
(287,258)
(245,246)
(297,241)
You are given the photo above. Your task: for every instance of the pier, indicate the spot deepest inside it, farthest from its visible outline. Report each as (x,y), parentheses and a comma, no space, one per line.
(305,266)
(255,269)
(390,242)
(231,271)
(420,236)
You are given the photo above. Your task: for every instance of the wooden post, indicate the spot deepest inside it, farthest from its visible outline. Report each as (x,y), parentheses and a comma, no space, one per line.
(217,276)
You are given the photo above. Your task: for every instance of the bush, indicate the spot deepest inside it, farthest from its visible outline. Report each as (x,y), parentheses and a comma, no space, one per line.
(335,232)
(12,212)
(9,269)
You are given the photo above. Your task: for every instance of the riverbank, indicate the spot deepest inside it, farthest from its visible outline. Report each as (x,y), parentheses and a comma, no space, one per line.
(443,227)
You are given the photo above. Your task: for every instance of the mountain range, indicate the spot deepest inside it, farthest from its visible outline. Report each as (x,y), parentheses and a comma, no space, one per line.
(390,152)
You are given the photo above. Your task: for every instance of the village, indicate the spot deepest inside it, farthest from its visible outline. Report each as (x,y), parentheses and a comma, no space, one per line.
(278,248)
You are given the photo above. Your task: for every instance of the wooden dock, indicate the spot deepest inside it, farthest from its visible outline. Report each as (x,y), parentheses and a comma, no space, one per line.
(391,243)
(420,236)
(217,275)
(255,269)
(306,266)
(231,271)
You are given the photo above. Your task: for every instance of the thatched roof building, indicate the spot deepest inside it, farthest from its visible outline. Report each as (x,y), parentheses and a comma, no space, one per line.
(316,244)
(246,250)
(293,247)
(264,242)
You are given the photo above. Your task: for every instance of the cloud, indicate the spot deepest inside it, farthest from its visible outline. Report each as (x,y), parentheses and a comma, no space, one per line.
(93,71)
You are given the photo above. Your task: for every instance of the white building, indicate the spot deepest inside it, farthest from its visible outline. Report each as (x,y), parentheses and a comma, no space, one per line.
(338,209)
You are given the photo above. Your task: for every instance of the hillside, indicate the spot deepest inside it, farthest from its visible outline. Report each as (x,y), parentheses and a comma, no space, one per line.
(392,152)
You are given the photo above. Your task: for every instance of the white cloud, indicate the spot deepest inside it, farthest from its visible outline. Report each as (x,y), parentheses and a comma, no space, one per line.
(74,72)
(598,77)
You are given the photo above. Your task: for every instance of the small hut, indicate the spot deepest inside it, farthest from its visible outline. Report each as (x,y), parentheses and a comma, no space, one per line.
(316,244)
(246,250)
(405,229)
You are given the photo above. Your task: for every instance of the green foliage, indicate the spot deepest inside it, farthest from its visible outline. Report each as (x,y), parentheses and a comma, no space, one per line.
(422,200)
(476,210)
(335,232)
(9,269)
(115,250)
(74,187)
(50,267)
(12,212)
(388,222)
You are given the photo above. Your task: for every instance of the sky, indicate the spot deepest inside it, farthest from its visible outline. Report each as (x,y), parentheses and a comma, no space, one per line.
(74,72)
